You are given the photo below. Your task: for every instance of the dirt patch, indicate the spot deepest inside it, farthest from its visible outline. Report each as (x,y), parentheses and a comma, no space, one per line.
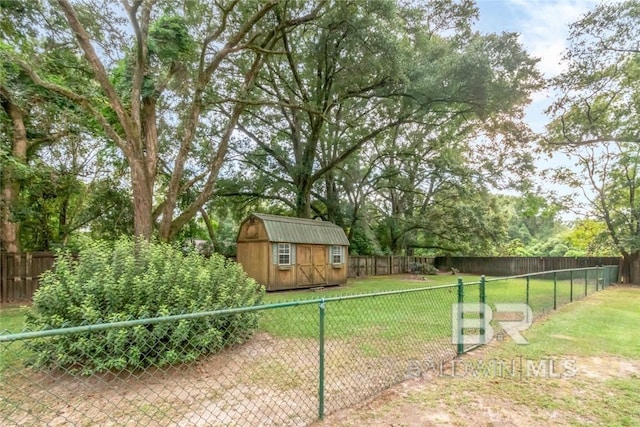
(424,277)
(265,381)
(604,368)
(447,398)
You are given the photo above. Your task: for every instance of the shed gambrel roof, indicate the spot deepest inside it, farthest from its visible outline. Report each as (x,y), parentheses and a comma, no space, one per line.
(287,229)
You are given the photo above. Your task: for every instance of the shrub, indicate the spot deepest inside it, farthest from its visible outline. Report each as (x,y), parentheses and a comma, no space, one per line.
(429,269)
(127,280)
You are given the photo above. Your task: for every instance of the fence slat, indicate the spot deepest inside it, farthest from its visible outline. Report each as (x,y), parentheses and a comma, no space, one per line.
(509,266)
(20,274)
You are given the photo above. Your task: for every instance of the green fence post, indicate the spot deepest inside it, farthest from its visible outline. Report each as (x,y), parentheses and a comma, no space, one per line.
(555,291)
(460,331)
(586,278)
(571,286)
(483,298)
(597,278)
(321,307)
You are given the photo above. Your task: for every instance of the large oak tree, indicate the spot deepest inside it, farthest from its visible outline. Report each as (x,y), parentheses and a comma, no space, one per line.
(160,71)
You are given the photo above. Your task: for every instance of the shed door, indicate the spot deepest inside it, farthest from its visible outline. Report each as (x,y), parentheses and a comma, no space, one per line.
(319,265)
(305,266)
(311,265)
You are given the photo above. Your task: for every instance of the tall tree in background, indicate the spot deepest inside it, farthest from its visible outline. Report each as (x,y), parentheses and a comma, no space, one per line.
(608,174)
(596,120)
(385,117)
(360,75)
(157,68)
(32,117)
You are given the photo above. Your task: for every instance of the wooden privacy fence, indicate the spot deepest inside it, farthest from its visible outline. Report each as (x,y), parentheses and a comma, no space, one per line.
(363,266)
(510,266)
(20,274)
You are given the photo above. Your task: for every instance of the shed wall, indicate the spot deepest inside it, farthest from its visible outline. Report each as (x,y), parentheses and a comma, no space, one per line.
(337,276)
(255,259)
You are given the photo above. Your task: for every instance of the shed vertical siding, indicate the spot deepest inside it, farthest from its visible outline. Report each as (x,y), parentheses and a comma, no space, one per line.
(253,251)
(279,278)
(338,275)
(254,259)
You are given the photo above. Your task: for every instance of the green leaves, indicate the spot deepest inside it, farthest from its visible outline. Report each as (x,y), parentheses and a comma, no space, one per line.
(169,39)
(128,280)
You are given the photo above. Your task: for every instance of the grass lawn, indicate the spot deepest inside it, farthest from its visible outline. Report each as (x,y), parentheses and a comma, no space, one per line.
(403,319)
(392,316)
(600,340)
(11,319)
(368,285)
(397,316)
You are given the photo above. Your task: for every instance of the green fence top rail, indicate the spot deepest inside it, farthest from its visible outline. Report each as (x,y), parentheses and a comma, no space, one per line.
(495,279)
(221,312)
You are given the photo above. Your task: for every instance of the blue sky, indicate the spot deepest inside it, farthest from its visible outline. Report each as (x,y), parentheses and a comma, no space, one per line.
(543,26)
(543,29)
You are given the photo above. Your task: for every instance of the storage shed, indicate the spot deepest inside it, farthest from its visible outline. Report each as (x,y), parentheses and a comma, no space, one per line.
(281,252)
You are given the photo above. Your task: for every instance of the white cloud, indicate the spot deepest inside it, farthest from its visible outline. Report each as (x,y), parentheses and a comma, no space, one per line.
(544,28)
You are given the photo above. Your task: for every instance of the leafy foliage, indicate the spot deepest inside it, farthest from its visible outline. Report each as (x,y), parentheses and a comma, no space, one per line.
(138,280)
(595,122)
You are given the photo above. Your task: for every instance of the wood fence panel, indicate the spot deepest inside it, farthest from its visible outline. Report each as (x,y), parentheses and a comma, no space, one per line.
(511,266)
(363,266)
(20,274)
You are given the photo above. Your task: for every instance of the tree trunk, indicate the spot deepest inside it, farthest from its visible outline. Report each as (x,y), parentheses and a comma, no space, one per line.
(631,268)
(303,197)
(10,230)
(142,200)
(207,221)
(10,234)
(333,201)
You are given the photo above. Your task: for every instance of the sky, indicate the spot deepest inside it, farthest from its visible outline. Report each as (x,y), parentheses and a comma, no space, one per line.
(543,28)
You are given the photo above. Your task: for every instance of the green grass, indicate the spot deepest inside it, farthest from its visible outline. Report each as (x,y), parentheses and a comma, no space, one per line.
(12,353)
(392,316)
(424,313)
(368,285)
(605,323)
(11,320)
(595,333)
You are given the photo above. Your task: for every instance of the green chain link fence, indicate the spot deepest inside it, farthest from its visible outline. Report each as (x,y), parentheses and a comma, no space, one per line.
(307,359)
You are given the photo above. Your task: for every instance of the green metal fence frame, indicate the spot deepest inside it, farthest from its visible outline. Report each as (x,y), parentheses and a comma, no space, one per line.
(602,274)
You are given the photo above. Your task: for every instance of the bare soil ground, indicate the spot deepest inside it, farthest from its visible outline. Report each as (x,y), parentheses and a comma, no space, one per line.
(438,399)
(265,381)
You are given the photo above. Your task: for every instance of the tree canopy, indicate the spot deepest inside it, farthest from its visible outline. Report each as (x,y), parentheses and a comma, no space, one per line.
(395,120)
(595,122)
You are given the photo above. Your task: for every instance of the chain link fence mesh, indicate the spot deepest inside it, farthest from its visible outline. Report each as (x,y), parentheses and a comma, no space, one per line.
(306,359)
